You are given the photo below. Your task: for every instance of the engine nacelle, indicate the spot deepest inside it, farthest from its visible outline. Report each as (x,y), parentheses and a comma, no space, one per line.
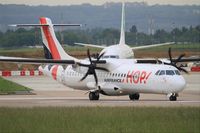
(80,69)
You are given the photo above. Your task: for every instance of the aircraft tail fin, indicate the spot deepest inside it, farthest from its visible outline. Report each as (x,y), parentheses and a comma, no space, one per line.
(52,47)
(122,35)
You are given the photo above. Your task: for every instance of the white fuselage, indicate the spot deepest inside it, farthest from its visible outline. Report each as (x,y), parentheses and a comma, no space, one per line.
(125,77)
(119,51)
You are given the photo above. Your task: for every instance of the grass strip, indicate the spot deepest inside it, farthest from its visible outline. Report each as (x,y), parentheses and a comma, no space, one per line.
(8,87)
(100,119)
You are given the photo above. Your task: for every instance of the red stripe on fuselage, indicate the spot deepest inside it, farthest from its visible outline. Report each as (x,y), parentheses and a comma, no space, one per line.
(51,42)
(54,72)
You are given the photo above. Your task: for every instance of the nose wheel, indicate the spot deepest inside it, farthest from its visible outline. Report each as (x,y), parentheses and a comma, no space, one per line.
(94,95)
(173,97)
(135,96)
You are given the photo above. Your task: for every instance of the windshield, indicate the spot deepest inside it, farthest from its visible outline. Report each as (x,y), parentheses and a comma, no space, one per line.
(167,72)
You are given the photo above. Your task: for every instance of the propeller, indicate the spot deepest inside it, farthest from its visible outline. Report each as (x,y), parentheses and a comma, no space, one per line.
(174,62)
(92,67)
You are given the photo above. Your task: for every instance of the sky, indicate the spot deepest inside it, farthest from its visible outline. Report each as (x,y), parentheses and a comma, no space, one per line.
(97,2)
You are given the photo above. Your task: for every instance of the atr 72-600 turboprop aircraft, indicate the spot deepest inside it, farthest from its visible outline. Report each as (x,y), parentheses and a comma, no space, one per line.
(121,50)
(112,77)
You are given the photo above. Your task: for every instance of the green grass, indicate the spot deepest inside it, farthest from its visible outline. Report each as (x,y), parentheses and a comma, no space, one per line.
(100,120)
(8,87)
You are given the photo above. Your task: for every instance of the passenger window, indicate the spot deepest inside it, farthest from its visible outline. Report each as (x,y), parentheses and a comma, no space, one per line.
(157,72)
(105,57)
(112,56)
(162,72)
(170,72)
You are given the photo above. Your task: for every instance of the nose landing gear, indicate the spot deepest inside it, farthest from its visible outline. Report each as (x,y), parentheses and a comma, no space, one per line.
(173,97)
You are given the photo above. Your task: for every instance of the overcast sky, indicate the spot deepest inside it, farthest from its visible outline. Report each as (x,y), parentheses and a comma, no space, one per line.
(97,2)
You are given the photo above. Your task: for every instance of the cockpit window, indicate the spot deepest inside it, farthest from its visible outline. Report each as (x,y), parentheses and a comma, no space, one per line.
(162,72)
(170,72)
(157,72)
(177,72)
(167,72)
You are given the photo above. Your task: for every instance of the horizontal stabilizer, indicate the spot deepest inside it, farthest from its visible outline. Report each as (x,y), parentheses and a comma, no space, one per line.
(39,25)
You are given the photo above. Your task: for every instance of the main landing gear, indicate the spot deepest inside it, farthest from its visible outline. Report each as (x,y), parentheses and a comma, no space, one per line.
(173,97)
(94,95)
(134,96)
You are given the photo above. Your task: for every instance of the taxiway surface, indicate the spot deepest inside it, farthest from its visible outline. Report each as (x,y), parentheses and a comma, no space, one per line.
(50,93)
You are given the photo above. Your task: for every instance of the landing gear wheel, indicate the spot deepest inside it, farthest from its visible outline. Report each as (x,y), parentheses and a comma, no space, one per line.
(94,96)
(135,96)
(172,98)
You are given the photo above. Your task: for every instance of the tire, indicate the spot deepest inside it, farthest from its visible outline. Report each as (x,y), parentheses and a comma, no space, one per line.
(172,98)
(135,96)
(94,96)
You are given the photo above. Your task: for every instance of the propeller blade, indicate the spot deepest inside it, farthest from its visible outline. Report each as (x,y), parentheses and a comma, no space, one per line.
(95,77)
(98,58)
(88,53)
(170,54)
(182,69)
(92,66)
(84,76)
(179,58)
(173,62)
(101,68)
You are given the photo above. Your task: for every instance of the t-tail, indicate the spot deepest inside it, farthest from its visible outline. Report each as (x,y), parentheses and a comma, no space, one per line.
(122,35)
(52,47)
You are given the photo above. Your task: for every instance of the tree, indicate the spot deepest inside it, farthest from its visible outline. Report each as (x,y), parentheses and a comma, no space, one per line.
(133,29)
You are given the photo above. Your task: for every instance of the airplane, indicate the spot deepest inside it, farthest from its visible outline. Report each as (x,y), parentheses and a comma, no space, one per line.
(111,77)
(121,50)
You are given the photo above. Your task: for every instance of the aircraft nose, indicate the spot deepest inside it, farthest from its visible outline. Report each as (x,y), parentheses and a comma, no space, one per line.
(180,84)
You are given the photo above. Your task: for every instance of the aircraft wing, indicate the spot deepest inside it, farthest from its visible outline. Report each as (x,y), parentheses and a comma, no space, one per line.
(152,45)
(42,61)
(90,45)
(36,61)
(39,25)
(166,60)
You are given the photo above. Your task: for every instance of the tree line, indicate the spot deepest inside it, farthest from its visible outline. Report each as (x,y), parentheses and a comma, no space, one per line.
(31,37)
